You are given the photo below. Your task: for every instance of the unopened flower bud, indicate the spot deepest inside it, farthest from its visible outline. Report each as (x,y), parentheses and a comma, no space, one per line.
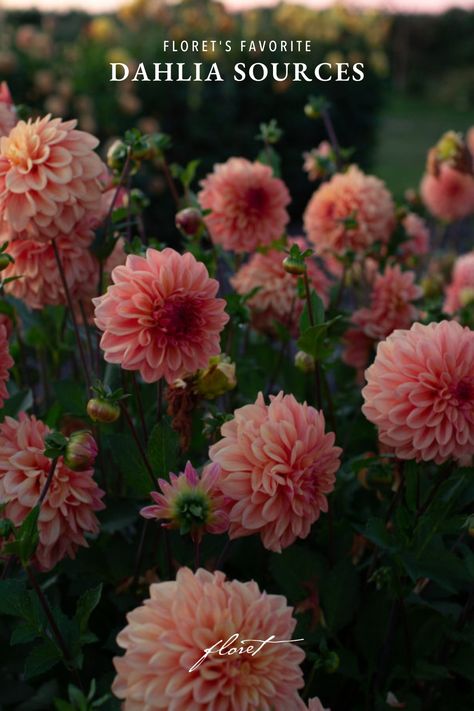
(217,379)
(189,221)
(331,663)
(81,451)
(117,155)
(311,111)
(102,410)
(294,266)
(5,261)
(305,362)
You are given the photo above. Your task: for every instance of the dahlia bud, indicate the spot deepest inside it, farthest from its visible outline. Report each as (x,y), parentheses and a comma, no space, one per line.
(81,451)
(452,150)
(189,221)
(217,379)
(117,155)
(305,362)
(331,662)
(101,410)
(466,296)
(5,261)
(294,265)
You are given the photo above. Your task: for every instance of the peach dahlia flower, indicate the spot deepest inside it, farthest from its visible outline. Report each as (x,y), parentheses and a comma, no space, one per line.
(420,392)
(7,110)
(247,204)
(276,298)
(39,283)
(68,510)
(461,290)
(49,178)
(161,315)
(277,466)
(350,211)
(449,195)
(169,632)
(6,362)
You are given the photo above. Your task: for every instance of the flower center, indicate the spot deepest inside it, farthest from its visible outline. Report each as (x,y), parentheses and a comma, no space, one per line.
(463,393)
(177,317)
(191,510)
(26,149)
(256,198)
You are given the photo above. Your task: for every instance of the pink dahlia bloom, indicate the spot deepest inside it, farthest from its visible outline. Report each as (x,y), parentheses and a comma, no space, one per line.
(161,315)
(192,503)
(350,211)
(247,203)
(276,298)
(7,110)
(277,466)
(420,392)
(357,349)
(449,195)
(6,362)
(391,304)
(461,290)
(49,178)
(39,283)
(418,242)
(167,635)
(68,510)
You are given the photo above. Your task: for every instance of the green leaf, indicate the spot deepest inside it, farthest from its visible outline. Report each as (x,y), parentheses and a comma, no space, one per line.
(13,597)
(23,633)
(41,659)
(86,605)
(340,595)
(376,531)
(128,460)
(163,446)
(317,307)
(28,535)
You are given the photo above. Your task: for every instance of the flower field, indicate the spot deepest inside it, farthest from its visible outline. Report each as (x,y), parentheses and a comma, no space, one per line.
(236,453)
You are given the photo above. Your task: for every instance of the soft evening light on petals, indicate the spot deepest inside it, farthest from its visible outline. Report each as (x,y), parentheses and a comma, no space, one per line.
(350,211)
(169,633)
(420,392)
(67,512)
(278,465)
(247,204)
(49,178)
(161,315)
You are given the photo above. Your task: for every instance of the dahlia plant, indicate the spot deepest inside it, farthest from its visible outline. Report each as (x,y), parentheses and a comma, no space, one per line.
(318,372)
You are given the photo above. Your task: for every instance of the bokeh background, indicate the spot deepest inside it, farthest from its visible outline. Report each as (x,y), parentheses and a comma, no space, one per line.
(419,78)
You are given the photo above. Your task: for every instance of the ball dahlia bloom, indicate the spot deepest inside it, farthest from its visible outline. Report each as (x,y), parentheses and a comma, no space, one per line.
(49,178)
(461,290)
(277,466)
(161,315)
(39,283)
(194,504)
(7,110)
(448,195)
(168,633)
(420,392)
(6,362)
(418,242)
(247,204)
(350,211)
(391,304)
(276,298)
(68,510)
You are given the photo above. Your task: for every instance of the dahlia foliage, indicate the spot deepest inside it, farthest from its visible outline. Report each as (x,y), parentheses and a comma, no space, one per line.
(250,448)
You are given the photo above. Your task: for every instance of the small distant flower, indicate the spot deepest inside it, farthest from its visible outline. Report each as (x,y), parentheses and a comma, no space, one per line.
(276,299)
(278,464)
(449,195)
(351,211)
(49,178)
(161,316)
(167,635)
(318,162)
(68,510)
(247,204)
(6,362)
(194,504)
(39,282)
(305,362)
(418,234)
(7,110)
(461,290)
(81,451)
(420,392)
(189,221)
(357,349)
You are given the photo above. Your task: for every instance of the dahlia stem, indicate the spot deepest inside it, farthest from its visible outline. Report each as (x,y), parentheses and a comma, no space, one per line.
(329,126)
(160,400)
(170,181)
(73,315)
(90,348)
(431,496)
(48,481)
(140,552)
(54,627)
(135,436)
(197,553)
(317,368)
(138,399)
